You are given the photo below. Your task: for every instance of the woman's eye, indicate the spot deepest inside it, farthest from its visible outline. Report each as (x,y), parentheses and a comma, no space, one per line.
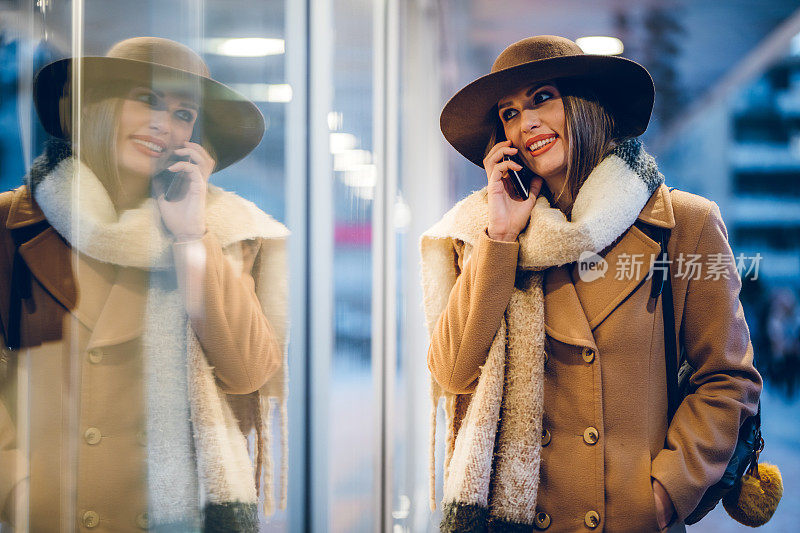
(542,96)
(186,116)
(147,98)
(508,114)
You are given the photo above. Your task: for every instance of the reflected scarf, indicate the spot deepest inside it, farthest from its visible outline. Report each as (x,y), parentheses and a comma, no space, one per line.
(200,473)
(493,451)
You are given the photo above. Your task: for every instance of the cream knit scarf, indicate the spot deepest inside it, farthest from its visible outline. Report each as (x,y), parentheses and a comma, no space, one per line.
(200,473)
(491,470)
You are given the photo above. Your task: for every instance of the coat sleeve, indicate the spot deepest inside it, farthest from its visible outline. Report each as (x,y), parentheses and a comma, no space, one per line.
(226,314)
(464,332)
(704,431)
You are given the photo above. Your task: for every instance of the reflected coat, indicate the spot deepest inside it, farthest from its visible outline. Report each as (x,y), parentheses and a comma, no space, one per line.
(83,324)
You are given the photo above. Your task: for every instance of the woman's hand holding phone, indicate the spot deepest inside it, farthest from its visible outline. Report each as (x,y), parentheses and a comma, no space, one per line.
(184,217)
(508,214)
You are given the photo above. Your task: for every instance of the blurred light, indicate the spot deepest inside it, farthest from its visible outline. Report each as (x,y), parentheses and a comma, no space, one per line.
(265,92)
(362,179)
(607,46)
(342,142)
(347,160)
(365,193)
(361,176)
(794,145)
(402,215)
(334,120)
(794,45)
(246,47)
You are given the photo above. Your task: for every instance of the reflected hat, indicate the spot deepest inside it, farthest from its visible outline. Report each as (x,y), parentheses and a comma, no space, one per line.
(231,125)
(624,87)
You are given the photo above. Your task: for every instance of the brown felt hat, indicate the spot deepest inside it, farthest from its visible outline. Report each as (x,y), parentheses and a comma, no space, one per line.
(231,126)
(624,86)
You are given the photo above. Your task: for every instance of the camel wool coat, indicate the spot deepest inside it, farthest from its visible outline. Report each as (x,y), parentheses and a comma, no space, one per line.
(85,469)
(605,400)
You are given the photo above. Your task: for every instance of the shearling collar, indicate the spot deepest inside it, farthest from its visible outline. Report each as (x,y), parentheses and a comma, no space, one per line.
(625,186)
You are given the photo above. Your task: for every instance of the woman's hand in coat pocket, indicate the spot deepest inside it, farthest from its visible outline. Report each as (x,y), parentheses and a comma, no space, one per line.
(508,216)
(664,507)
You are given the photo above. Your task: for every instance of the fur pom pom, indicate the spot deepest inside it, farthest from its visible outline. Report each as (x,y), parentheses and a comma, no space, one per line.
(753,501)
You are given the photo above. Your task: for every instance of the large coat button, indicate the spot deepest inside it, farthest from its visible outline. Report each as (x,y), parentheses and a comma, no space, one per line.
(541,521)
(545,437)
(92,436)
(592,519)
(587,354)
(95,356)
(90,519)
(591,436)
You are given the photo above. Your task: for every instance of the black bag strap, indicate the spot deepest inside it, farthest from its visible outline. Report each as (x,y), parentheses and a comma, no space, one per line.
(663,286)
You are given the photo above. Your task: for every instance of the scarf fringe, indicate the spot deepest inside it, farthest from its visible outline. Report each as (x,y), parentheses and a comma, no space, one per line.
(432,453)
(264,473)
(270,409)
(284,454)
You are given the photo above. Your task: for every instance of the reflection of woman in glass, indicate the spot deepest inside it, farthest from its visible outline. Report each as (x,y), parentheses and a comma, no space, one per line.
(545,339)
(145,308)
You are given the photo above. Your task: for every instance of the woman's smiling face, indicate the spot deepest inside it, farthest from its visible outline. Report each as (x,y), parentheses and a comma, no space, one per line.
(151,125)
(533,120)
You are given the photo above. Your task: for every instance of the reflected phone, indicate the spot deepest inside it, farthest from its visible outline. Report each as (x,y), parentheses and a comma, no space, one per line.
(174,184)
(520,178)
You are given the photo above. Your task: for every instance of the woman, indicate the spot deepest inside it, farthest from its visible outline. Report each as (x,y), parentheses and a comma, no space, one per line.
(160,297)
(545,340)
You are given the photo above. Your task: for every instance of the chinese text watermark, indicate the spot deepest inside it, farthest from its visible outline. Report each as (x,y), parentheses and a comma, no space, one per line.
(689,267)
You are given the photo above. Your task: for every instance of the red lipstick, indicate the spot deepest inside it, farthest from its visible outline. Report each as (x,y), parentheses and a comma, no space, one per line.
(543,148)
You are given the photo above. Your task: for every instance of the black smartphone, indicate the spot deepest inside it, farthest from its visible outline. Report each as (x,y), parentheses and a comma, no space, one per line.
(520,178)
(174,184)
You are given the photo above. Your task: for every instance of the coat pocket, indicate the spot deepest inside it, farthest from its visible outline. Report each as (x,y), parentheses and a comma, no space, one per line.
(651,512)
(647,503)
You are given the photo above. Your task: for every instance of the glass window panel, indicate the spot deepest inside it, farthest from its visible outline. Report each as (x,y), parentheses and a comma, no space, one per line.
(107,403)
(352,447)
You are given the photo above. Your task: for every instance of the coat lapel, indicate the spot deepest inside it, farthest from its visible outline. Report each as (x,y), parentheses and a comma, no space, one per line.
(564,319)
(60,271)
(574,308)
(629,262)
(47,255)
(122,316)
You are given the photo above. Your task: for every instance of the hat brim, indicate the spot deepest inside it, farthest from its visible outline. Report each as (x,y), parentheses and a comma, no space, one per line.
(231,125)
(624,86)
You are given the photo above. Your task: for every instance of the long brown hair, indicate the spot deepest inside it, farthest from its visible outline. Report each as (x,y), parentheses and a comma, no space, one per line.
(99,124)
(590,130)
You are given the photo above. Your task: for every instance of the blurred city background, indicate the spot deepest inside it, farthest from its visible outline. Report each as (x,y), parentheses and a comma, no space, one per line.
(354,164)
